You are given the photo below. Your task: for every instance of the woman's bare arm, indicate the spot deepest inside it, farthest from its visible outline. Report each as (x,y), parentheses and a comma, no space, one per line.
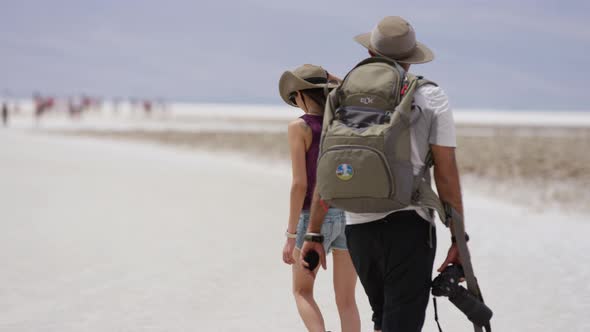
(297,132)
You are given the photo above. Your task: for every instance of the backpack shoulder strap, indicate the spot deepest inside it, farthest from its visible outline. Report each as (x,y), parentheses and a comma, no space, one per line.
(423,81)
(411,84)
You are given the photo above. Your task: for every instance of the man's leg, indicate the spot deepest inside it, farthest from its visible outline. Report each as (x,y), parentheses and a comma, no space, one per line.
(408,271)
(366,253)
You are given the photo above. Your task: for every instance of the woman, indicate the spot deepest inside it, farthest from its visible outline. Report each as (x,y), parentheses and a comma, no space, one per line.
(306,88)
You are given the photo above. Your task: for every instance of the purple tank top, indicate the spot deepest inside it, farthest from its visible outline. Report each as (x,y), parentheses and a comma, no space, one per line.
(311,156)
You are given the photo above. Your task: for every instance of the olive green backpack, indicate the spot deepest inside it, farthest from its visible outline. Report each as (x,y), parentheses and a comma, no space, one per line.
(365,152)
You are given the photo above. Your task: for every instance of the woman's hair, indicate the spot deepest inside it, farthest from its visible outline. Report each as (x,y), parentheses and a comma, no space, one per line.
(317,95)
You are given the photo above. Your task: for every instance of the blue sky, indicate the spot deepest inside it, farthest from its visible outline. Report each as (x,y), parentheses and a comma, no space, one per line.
(489,54)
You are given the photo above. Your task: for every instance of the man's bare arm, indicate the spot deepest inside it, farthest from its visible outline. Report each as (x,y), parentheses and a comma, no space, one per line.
(446,176)
(317,214)
(316,220)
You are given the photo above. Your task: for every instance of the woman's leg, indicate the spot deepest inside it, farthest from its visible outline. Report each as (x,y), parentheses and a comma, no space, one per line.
(303,292)
(344,288)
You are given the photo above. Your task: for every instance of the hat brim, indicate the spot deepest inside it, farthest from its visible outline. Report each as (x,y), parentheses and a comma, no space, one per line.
(290,83)
(422,53)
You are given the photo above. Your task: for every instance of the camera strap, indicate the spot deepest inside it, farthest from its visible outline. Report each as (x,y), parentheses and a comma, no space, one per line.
(426,197)
(459,230)
(436,314)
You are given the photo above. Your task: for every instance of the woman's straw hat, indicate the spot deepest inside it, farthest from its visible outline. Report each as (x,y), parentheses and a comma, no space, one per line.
(303,78)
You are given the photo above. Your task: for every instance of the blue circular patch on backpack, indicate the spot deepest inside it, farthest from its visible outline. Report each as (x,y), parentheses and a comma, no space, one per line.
(344,172)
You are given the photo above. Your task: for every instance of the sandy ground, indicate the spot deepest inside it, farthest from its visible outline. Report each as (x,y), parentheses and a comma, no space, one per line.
(99,235)
(542,168)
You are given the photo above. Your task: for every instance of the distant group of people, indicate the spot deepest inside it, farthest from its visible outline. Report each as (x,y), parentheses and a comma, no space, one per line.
(361,158)
(42,105)
(75,107)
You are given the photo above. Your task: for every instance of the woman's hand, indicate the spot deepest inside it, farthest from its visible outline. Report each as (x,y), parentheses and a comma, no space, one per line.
(334,78)
(288,252)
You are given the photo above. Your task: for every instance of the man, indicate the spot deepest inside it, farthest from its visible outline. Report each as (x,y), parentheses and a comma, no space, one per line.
(393,252)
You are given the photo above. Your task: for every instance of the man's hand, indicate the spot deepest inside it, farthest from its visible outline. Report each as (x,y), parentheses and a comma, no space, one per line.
(452,257)
(288,251)
(313,246)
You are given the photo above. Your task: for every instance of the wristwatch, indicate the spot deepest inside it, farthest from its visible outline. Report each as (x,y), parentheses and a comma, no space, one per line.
(313,237)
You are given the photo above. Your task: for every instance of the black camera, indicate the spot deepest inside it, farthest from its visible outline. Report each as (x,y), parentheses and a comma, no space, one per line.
(313,259)
(447,284)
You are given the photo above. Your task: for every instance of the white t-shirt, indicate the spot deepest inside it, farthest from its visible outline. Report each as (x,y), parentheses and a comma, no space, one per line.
(435,125)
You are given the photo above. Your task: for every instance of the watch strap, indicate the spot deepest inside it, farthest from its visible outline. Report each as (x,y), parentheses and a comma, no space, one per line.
(314,237)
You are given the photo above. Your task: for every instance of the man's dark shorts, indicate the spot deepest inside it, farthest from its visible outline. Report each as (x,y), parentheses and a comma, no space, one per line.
(393,257)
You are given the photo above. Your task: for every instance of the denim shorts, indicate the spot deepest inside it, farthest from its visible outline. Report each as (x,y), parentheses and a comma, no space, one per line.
(332,230)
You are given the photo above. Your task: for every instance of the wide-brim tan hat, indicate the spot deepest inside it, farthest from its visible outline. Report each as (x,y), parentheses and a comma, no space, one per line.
(304,78)
(395,38)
